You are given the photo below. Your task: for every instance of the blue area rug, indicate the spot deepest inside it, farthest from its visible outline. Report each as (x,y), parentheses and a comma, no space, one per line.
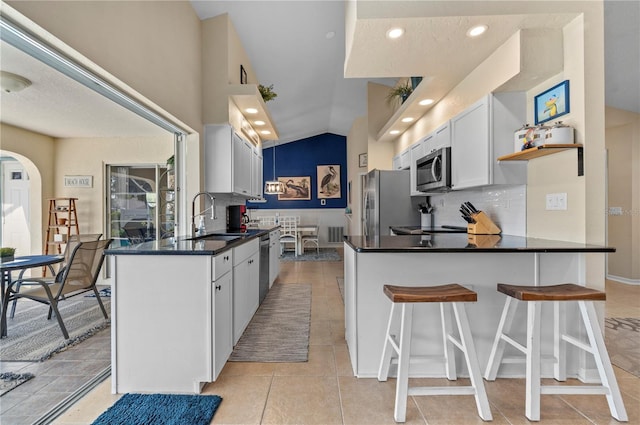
(161,409)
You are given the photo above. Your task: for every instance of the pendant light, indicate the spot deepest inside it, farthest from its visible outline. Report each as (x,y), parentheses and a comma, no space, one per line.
(274,187)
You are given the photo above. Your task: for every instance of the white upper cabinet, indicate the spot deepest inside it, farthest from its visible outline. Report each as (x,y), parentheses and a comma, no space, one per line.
(405,159)
(231,162)
(480,134)
(442,137)
(417,152)
(395,163)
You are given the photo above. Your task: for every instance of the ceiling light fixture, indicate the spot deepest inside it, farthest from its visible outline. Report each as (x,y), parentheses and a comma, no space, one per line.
(394,132)
(251,111)
(330,35)
(394,33)
(425,102)
(265,132)
(259,122)
(274,187)
(407,119)
(477,30)
(11,83)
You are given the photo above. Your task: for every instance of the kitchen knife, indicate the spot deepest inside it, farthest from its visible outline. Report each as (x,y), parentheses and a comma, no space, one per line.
(466,209)
(472,208)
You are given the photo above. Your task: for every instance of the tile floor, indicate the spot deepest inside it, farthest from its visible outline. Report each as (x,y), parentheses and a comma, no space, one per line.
(324,391)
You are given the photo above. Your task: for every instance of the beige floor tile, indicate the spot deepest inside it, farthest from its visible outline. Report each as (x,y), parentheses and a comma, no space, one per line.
(454,409)
(367,401)
(321,363)
(303,400)
(343,361)
(90,406)
(248,369)
(321,333)
(243,398)
(596,408)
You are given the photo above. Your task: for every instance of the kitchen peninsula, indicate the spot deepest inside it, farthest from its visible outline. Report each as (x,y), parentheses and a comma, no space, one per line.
(478,262)
(179,306)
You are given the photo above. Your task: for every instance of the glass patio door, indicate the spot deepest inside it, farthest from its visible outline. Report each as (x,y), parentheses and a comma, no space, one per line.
(140,203)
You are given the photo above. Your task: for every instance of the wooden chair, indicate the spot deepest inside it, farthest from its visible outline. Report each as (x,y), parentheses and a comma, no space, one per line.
(534,296)
(310,238)
(72,242)
(288,233)
(79,276)
(403,299)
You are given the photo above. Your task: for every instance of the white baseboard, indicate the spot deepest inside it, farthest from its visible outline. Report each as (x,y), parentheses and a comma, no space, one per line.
(623,280)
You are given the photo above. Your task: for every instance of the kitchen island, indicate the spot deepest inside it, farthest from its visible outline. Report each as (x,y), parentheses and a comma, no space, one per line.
(478,262)
(178,307)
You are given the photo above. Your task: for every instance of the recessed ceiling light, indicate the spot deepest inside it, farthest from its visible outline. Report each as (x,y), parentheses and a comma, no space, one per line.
(330,35)
(265,132)
(425,102)
(394,132)
(259,122)
(477,30)
(394,33)
(251,111)
(12,82)
(407,119)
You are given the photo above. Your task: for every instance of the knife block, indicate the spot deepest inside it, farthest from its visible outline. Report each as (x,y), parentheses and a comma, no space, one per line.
(483,225)
(483,241)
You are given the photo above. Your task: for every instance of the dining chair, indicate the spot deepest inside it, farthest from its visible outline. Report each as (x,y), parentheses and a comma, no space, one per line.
(310,238)
(288,233)
(79,276)
(267,220)
(72,242)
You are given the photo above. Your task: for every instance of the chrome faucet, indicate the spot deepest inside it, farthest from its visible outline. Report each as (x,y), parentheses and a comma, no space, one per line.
(193,210)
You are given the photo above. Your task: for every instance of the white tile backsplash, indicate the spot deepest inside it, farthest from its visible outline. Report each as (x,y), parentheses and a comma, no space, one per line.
(505,205)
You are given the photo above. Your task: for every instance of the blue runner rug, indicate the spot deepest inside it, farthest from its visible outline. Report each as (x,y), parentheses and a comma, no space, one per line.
(161,409)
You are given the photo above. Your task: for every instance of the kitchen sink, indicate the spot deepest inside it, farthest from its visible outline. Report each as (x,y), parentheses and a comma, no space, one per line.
(216,237)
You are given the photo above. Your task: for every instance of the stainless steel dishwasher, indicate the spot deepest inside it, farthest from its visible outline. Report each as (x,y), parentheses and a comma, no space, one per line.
(264,267)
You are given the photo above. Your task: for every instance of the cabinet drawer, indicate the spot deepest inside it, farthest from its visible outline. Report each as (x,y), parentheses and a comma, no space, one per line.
(222,264)
(245,251)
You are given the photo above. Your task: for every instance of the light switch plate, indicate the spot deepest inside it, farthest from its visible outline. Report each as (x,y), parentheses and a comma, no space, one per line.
(556,201)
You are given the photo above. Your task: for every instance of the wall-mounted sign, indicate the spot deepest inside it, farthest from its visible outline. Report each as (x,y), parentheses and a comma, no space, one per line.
(78,181)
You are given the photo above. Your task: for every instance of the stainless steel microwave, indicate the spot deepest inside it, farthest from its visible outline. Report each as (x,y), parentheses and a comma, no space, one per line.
(433,172)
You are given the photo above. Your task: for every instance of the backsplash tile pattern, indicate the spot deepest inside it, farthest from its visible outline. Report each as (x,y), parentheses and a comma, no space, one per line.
(505,205)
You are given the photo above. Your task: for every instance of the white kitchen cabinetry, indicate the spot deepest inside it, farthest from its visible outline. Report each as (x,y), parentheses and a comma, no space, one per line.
(441,137)
(274,256)
(246,295)
(222,314)
(482,133)
(405,159)
(395,163)
(170,325)
(256,172)
(231,162)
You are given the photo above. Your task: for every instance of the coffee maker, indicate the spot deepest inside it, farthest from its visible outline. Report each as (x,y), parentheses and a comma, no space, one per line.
(237,218)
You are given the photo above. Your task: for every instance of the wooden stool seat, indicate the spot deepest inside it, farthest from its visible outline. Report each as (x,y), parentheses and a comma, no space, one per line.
(564,292)
(429,294)
(535,296)
(450,297)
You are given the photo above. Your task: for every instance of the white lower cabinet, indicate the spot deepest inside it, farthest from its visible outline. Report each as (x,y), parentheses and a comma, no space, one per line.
(246,296)
(222,313)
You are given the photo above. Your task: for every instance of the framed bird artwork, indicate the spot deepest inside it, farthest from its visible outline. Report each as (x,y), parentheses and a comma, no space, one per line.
(295,188)
(329,181)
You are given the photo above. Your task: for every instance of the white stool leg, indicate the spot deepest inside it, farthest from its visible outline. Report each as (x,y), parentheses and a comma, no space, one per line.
(559,344)
(449,354)
(482,402)
(402,382)
(532,399)
(497,351)
(388,349)
(607,376)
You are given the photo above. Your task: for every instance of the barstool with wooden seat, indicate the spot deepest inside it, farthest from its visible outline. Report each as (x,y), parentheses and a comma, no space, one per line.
(534,296)
(404,298)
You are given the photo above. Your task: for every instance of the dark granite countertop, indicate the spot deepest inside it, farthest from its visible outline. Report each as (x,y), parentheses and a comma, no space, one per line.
(418,230)
(462,242)
(184,245)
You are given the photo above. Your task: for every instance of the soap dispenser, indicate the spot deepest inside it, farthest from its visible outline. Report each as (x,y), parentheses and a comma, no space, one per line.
(201,227)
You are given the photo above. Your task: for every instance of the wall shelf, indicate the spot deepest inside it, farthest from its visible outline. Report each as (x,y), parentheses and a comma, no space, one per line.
(545,150)
(248,96)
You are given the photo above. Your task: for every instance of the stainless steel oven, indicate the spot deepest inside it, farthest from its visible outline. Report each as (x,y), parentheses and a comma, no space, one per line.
(433,172)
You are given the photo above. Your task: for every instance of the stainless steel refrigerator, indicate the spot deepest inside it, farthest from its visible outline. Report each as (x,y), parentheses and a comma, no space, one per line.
(387,202)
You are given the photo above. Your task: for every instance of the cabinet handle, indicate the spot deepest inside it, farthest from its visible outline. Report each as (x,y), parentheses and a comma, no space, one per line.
(219,287)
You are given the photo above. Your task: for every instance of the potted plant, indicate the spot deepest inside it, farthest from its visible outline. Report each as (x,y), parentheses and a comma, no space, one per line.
(401,91)
(7,254)
(171,162)
(267,92)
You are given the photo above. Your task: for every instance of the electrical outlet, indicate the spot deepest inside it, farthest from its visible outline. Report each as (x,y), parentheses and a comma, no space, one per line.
(615,210)
(323,202)
(556,201)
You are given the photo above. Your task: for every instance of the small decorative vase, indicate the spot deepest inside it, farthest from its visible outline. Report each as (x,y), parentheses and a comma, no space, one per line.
(7,259)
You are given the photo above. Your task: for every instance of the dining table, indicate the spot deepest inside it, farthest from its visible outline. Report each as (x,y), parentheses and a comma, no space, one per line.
(302,229)
(22,263)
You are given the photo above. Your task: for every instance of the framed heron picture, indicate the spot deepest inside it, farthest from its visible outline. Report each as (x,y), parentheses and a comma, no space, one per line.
(295,188)
(329,181)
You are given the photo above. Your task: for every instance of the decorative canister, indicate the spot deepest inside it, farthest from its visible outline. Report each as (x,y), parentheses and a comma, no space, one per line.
(559,134)
(523,138)
(539,134)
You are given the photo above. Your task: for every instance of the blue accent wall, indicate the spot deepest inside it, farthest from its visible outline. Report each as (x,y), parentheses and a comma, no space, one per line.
(300,159)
